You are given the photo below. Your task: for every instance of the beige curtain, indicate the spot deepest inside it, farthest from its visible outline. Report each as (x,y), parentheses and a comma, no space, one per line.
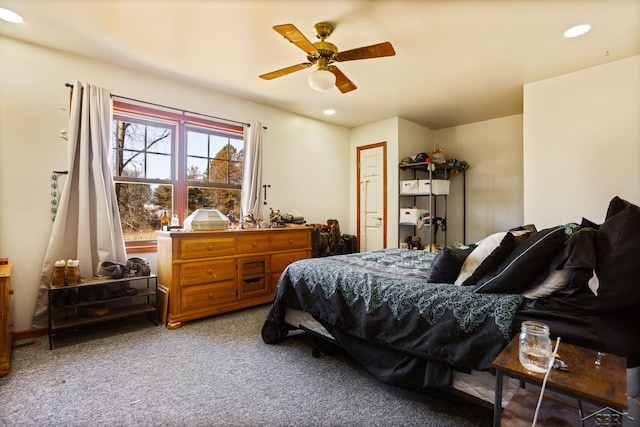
(252,197)
(87,225)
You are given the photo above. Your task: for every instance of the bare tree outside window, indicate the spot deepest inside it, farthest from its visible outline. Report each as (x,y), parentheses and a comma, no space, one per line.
(142,152)
(151,179)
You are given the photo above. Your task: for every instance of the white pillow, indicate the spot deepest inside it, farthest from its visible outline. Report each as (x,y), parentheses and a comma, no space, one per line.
(556,280)
(475,258)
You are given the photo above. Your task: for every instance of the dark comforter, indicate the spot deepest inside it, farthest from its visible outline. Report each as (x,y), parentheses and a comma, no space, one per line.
(380,308)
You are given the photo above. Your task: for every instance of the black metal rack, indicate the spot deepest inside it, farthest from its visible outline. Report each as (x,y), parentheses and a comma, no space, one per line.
(434,171)
(100,300)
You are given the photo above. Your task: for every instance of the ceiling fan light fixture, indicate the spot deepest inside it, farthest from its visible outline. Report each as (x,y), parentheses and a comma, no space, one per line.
(321,80)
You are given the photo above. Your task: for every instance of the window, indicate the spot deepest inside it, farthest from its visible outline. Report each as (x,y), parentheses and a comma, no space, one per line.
(172,163)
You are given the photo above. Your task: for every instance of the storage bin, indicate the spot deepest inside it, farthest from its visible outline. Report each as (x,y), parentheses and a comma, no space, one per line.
(440,187)
(409,187)
(411,216)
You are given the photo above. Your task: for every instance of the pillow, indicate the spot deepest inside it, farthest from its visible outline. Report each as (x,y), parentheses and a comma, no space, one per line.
(618,256)
(587,223)
(475,258)
(522,267)
(555,281)
(491,262)
(616,205)
(531,228)
(446,265)
(580,250)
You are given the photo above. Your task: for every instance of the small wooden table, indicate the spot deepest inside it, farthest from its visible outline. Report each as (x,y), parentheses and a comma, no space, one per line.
(602,385)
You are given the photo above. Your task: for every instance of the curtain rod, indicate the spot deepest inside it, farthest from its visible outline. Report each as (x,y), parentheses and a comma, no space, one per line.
(70,86)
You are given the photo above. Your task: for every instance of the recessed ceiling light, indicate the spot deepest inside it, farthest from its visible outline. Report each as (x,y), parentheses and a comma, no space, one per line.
(578,30)
(10,16)
(329,112)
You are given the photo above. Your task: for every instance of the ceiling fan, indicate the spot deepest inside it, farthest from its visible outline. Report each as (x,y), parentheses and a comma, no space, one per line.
(323,55)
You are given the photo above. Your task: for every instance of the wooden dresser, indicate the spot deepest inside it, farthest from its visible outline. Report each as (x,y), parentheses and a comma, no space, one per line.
(5,320)
(211,272)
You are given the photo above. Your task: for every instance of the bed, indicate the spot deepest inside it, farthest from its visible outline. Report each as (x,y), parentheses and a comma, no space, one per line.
(425,320)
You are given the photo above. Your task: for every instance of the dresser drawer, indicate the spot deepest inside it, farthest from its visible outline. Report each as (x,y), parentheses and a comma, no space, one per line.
(280,261)
(253,242)
(290,240)
(202,296)
(203,248)
(193,273)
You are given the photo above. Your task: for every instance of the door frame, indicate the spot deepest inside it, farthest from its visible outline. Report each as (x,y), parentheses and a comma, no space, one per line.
(384,189)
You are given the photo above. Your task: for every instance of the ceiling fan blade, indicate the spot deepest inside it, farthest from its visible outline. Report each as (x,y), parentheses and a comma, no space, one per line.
(342,82)
(291,33)
(283,72)
(373,51)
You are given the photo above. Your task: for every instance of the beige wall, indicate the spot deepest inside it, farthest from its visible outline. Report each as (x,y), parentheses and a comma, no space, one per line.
(494,184)
(582,143)
(306,162)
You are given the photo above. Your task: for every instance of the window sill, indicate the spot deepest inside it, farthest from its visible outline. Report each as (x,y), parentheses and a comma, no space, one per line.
(141,247)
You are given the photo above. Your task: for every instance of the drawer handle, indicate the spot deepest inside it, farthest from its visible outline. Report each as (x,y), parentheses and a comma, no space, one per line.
(210,273)
(290,241)
(210,247)
(210,295)
(254,244)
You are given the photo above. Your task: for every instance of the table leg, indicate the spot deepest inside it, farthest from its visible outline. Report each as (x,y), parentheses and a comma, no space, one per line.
(497,401)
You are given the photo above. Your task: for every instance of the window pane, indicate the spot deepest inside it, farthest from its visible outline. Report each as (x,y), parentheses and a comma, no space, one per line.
(141,206)
(132,164)
(235,173)
(225,200)
(158,166)
(142,149)
(218,146)
(209,155)
(238,149)
(197,169)
(218,171)
(197,144)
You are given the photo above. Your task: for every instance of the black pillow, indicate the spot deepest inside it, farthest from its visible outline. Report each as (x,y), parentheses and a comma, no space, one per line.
(587,223)
(446,265)
(618,255)
(580,250)
(522,267)
(570,269)
(616,205)
(490,263)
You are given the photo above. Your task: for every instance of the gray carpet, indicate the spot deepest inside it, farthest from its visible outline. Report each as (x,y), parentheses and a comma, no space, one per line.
(211,372)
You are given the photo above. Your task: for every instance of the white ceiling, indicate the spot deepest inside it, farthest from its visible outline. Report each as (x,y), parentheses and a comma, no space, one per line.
(456,62)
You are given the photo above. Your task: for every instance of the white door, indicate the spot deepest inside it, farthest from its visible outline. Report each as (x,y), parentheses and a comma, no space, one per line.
(372,197)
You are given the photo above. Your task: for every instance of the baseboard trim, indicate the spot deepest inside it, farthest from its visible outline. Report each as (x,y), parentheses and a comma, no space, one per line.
(31,333)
